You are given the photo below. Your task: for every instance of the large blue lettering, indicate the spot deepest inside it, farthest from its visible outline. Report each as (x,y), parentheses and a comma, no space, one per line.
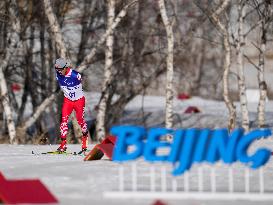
(261,156)
(186,152)
(189,146)
(223,146)
(175,146)
(126,136)
(202,145)
(154,143)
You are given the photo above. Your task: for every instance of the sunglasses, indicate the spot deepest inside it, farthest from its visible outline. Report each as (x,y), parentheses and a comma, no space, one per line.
(60,69)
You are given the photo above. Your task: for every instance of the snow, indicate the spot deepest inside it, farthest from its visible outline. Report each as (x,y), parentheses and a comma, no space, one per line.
(74,181)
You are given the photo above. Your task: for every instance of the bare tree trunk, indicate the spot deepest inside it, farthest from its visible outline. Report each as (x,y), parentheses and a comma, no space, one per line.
(44,74)
(89,7)
(100,126)
(34,94)
(6,103)
(262,84)
(55,29)
(169,83)
(28,88)
(52,76)
(266,15)
(13,39)
(240,66)
(229,103)
(227,63)
(23,102)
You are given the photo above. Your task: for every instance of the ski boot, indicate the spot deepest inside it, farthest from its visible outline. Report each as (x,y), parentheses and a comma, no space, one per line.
(62,147)
(84,144)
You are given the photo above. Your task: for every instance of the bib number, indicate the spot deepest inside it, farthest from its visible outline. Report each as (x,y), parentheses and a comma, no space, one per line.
(72,94)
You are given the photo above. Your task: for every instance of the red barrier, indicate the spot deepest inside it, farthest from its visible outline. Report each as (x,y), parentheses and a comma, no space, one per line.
(183,96)
(110,139)
(2,178)
(24,191)
(105,147)
(192,109)
(158,202)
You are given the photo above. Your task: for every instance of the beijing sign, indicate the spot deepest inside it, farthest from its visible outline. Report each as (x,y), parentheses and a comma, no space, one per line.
(190,146)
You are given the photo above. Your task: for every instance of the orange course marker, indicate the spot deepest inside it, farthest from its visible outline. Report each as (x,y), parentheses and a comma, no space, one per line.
(106,147)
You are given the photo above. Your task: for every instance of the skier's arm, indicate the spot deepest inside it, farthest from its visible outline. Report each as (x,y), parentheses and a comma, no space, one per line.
(79,76)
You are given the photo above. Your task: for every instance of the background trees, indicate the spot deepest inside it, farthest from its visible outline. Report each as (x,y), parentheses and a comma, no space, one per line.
(207,37)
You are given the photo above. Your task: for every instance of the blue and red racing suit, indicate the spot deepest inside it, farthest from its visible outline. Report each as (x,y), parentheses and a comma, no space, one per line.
(74,99)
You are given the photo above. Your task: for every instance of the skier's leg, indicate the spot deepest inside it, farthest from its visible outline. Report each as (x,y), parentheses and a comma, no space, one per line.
(79,109)
(66,111)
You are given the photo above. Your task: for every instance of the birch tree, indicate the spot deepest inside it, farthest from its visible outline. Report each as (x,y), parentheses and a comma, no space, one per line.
(227,62)
(55,29)
(13,38)
(265,18)
(239,44)
(100,126)
(169,63)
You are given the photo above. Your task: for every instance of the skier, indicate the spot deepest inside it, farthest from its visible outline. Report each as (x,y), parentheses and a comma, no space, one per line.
(70,83)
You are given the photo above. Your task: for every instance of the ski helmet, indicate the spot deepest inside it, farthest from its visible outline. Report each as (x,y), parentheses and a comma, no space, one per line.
(61,63)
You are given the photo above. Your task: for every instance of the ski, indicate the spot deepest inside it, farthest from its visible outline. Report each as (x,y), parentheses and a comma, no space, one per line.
(55,152)
(81,153)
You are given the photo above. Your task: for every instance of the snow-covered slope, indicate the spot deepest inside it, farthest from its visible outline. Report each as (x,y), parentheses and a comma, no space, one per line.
(74,181)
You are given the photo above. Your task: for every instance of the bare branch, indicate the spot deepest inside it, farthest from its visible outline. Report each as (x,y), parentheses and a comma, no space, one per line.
(88,59)
(251,62)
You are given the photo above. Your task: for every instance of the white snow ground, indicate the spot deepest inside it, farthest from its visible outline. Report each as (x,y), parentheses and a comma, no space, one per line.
(74,181)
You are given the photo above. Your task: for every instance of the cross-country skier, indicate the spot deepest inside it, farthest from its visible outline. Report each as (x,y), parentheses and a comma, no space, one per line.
(70,83)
